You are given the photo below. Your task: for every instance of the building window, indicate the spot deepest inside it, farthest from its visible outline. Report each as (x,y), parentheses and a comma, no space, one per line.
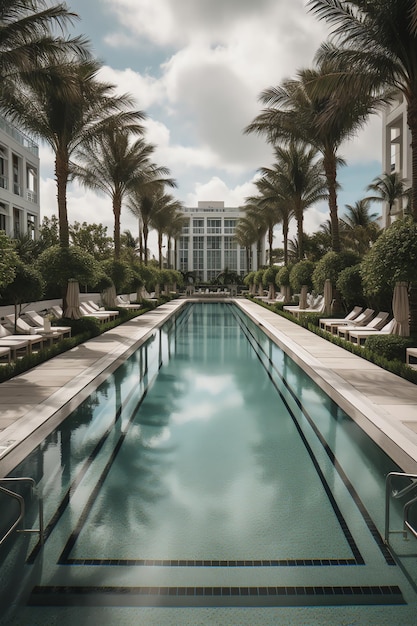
(229,227)
(198,226)
(183,252)
(31,226)
(17,223)
(214,257)
(186,228)
(31,183)
(3,168)
(16,175)
(230,254)
(198,254)
(214,227)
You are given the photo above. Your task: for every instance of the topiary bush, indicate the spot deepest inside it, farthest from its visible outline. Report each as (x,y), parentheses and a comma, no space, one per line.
(301,274)
(390,347)
(330,267)
(84,325)
(349,285)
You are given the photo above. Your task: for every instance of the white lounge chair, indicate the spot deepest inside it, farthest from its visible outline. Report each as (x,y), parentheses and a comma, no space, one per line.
(317,306)
(5,354)
(327,322)
(20,343)
(59,314)
(37,320)
(376,323)
(122,304)
(23,328)
(361,320)
(89,310)
(359,336)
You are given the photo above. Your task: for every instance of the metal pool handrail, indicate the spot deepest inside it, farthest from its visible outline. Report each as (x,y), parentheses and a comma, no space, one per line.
(408,505)
(21,502)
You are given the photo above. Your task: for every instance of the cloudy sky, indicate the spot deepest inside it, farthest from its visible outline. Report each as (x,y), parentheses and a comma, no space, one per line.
(197,67)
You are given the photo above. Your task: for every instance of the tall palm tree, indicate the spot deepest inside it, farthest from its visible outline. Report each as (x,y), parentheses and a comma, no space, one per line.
(297,110)
(360,228)
(143,203)
(298,175)
(66,108)
(265,211)
(246,234)
(26,35)
(114,164)
(250,229)
(166,211)
(173,231)
(389,188)
(377,43)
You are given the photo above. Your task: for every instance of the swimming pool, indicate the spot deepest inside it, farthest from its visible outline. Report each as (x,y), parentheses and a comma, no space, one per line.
(208,480)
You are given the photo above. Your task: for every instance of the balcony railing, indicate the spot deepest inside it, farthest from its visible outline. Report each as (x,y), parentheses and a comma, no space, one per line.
(18,136)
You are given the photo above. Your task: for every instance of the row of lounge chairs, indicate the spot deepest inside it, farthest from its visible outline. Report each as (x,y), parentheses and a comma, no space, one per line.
(20,336)
(359,324)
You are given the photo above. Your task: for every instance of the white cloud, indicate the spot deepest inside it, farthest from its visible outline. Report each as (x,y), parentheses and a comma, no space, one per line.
(197,68)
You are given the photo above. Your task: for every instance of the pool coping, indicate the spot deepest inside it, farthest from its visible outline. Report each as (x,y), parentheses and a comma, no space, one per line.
(36,401)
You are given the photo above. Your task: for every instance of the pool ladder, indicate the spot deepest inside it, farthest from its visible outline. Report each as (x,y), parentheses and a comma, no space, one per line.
(21,501)
(390,493)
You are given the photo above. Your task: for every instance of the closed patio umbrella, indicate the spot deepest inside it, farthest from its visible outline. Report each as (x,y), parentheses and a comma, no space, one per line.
(109,297)
(401,310)
(303,297)
(328,295)
(72,310)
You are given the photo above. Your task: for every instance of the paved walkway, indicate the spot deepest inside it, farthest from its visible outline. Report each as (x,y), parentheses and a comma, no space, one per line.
(382,403)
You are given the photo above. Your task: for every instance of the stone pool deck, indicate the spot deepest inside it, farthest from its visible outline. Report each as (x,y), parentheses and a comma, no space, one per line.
(383,404)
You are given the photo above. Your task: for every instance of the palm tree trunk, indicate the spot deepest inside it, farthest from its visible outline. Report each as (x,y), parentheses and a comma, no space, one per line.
(412,124)
(300,234)
(412,298)
(160,249)
(329,162)
(117,209)
(145,243)
(285,229)
(61,175)
(270,243)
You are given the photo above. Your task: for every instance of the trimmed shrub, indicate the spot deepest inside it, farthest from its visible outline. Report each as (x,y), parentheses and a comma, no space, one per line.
(330,267)
(390,347)
(301,274)
(282,278)
(349,285)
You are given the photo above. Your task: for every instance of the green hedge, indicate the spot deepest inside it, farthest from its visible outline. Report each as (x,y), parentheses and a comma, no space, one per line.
(82,330)
(375,352)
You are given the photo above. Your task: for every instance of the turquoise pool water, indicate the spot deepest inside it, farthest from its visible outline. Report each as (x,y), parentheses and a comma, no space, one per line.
(208,481)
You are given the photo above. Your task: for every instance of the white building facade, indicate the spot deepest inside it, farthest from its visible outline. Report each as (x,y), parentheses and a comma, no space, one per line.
(19,182)
(207,244)
(396,150)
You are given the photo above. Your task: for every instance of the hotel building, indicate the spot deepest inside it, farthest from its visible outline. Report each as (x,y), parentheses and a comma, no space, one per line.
(19,182)
(207,245)
(396,150)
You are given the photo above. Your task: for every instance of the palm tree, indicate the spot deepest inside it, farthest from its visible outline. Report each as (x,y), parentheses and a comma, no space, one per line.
(250,230)
(377,41)
(67,108)
(360,228)
(297,110)
(271,194)
(265,211)
(173,231)
(298,176)
(390,188)
(26,35)
(166,210)
(114,164)
(143,203)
